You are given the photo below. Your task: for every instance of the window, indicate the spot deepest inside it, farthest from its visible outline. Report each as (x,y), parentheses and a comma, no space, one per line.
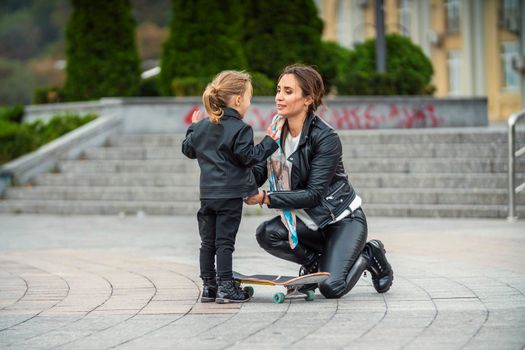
(404,13)
(509,15)
(510,77)
(452,12)
(454,72)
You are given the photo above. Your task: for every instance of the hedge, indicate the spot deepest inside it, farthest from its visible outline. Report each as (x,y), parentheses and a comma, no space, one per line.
(18,139)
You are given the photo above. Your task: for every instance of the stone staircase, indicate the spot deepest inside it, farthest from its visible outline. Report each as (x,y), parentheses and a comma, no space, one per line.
(419,173)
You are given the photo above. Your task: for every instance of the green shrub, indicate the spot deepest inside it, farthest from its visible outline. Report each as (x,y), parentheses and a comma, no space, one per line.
(204,39)
(278,33)
(15,141)
(102,57)
(58,125)
(149,87)
(48,95)
(19,139)
(189,86)
(193,86)
(409,71)
(262,85)
(12,114)
(333,63)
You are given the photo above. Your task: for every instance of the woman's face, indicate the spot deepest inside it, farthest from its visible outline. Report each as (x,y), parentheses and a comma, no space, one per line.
(289,99)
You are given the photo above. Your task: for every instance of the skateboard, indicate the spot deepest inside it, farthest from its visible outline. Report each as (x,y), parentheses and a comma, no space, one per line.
(293,284)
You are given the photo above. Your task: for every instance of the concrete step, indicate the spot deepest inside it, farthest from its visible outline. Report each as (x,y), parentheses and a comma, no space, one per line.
(443,210)
(175,194)
(161,194)
(121,179)
(390,165)
(359,180)
(349,151)
(479,135)
(190,208)
(59,207)
(426,196)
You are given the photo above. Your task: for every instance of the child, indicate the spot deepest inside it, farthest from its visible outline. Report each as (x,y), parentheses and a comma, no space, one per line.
(223,146)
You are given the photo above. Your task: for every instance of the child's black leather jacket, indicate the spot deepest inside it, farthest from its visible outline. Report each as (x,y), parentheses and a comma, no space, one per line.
(319,182)
(226,153)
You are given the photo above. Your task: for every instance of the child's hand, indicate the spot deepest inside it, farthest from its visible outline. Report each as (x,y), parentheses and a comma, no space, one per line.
(196,116)
(255,199)
(274,130)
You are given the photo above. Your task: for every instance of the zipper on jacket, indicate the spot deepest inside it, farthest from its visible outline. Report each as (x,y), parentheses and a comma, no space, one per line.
(331,196)
(330,210)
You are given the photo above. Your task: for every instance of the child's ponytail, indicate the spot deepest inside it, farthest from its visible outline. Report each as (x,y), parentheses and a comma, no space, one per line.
(217,94)
(212,104)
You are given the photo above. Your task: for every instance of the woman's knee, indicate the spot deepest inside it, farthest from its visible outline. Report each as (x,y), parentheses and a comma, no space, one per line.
(261,235)
(269,233)
(333,288)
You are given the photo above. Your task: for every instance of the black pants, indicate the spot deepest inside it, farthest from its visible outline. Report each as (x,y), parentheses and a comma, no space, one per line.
(219,221)
(340,245)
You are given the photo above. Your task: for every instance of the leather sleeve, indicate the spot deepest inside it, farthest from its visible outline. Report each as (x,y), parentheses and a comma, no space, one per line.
(327,153)
(260,172)
(187,145)
(248,154)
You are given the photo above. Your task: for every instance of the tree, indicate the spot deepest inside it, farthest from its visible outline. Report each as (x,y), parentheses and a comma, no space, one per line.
(409,71)
(102,58)
(279,33)
(205,38)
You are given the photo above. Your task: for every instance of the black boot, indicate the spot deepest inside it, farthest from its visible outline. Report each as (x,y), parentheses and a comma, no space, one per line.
(230,292)
(307,269)
(378,266)
(209,289)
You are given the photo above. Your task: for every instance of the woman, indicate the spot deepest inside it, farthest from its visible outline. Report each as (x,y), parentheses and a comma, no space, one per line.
(321,226)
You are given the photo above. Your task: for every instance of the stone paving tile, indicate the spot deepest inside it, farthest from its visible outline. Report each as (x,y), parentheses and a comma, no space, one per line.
(100,289)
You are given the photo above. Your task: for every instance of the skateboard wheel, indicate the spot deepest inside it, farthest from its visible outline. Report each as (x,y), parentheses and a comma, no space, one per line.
(249,290)
(278,298)
(310,295)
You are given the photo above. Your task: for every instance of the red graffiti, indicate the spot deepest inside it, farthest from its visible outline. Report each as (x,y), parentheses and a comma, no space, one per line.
(261,122)
(370,116)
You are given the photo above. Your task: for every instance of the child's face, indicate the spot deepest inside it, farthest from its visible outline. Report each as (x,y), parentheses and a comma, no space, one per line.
(245,101)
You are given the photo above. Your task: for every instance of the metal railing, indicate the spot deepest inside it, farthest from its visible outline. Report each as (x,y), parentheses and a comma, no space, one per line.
(513,154)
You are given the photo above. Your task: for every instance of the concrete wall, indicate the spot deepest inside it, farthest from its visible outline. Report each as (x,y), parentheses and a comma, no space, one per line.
(163,114)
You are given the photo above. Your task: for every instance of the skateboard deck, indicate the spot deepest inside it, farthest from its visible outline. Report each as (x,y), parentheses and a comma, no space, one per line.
(293,284)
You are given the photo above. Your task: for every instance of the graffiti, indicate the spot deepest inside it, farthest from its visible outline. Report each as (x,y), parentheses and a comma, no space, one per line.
(369,116)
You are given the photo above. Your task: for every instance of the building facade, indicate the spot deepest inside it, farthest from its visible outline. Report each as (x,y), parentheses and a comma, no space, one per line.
(477,47)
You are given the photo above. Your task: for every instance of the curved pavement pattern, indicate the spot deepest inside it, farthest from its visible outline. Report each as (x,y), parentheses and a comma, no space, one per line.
(132,283)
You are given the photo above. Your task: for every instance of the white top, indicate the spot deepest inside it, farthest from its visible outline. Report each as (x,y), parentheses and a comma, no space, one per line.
(290,146)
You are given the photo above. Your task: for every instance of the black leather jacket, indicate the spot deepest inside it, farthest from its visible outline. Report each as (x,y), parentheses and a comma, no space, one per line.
(226,153)
(319,182)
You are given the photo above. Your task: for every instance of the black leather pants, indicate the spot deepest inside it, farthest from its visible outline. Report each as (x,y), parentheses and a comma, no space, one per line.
(340,245)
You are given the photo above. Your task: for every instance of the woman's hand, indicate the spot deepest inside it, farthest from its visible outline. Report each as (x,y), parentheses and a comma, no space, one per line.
(256,199)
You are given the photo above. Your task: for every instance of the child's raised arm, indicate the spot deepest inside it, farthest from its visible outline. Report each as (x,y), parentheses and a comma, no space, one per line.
(248,154)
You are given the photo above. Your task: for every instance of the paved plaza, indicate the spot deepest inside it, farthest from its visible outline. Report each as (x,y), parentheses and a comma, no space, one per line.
(100,282)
